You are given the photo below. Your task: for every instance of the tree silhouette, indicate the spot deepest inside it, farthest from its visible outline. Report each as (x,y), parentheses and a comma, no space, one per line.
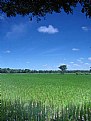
(90,69)
(39,8)
(63,68)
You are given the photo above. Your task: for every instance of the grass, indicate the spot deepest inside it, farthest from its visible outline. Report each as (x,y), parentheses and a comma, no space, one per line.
(69,93)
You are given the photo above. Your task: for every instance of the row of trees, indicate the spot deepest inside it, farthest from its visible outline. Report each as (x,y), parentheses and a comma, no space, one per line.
(62,70)
(8,70)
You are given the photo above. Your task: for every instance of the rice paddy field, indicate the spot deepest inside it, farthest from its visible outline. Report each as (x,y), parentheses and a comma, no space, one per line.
(45,97)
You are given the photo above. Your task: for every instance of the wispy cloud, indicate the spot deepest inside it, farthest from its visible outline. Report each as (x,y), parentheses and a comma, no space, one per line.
(75,49)
(89,58)
(76,64)
(71,62)
(85,28)
(50,29)
(16,30)
(86,63)
(79,60)
(51,51)
(47,67)
(62,64)
(27,62)
(7,51)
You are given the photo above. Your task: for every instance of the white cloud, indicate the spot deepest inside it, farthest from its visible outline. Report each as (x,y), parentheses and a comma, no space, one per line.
(7,51)
(80,61)
(81,58)
(16,30)
(89,58)
(75,49)
(72,62)
(68,65)
(27,62)
(85,28)
(86,63)
(76,64)
(50,29)
(47,67)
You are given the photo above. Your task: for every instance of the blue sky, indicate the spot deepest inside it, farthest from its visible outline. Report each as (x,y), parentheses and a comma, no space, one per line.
(59,39)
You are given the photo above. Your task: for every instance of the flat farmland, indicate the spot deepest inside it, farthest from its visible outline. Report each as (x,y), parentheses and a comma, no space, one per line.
(52,90)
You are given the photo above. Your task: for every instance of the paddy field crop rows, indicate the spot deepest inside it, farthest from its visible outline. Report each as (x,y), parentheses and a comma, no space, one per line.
(69,93)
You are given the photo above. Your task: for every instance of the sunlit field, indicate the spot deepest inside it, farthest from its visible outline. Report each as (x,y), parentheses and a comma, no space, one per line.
(45,97)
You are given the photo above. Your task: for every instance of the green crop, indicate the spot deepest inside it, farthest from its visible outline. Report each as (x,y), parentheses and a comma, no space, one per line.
(54,95)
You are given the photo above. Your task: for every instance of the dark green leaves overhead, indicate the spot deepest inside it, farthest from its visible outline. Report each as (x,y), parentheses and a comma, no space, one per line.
(39,8)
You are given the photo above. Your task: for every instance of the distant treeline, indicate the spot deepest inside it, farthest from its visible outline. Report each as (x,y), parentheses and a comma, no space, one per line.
(8,70)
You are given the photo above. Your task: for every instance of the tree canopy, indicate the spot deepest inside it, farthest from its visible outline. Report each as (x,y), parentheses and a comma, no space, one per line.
(63,68)
(39,8)
(90,69)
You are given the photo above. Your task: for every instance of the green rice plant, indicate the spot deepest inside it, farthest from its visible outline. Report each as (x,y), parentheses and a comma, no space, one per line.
(45,97)
(36,111)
